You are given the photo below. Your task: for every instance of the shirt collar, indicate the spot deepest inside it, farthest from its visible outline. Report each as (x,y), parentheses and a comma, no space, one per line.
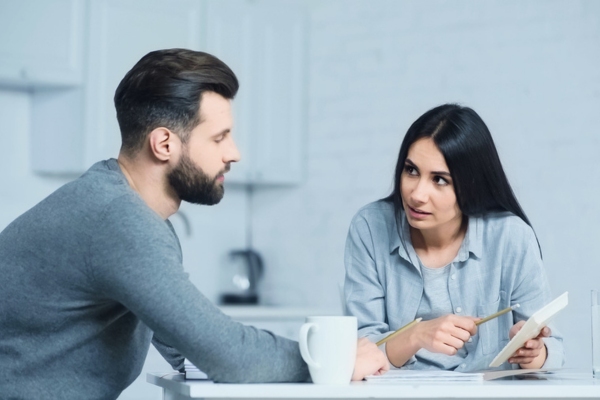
(400,238)
(473,242)
(395,231)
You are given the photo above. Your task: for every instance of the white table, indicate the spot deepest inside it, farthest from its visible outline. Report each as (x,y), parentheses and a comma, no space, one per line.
(563,385)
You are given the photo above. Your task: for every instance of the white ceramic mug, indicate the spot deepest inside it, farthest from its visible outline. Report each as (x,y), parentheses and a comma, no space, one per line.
(328,346)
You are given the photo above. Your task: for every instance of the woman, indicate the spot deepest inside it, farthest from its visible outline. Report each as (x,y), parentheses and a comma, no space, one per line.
(451,244)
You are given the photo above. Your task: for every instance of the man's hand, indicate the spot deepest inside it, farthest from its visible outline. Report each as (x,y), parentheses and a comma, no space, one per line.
(533,354)
(369,360)
(445,334)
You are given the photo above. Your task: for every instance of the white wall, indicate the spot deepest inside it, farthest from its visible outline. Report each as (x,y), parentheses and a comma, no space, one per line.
(19,188)
(530,69)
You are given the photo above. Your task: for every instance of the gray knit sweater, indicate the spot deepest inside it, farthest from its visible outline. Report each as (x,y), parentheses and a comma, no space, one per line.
(88,276)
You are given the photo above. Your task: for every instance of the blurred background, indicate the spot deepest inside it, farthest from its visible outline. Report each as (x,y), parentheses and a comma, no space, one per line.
(328,89)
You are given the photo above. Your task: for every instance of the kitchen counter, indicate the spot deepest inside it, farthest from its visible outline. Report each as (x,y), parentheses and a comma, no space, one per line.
(270,313)
(283,321)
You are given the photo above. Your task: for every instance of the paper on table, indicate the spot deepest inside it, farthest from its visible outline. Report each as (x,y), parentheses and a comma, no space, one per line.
(503,373)
(192,372)
(403,375)
(399,375)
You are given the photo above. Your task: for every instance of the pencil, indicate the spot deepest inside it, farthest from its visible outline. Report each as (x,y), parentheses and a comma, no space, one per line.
(499,313)
(405,327)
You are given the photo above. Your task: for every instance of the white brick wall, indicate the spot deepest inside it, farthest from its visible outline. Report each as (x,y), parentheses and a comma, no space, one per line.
(529,68)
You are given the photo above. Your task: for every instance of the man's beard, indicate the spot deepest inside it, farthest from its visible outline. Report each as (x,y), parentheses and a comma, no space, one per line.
(191,184)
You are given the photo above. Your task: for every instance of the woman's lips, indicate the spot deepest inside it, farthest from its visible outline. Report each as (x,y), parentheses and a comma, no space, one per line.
(415,213)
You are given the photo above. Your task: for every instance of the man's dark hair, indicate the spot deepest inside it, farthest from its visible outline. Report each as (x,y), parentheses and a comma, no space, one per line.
(164,89)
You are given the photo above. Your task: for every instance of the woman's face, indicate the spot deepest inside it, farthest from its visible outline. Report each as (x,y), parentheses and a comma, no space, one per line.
(427,190)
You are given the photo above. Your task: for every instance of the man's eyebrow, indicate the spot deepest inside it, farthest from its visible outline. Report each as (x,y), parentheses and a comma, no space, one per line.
(223,132)
(412,164)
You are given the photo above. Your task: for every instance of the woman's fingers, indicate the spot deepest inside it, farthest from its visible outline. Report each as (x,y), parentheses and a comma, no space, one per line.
(446,334)
(526,354)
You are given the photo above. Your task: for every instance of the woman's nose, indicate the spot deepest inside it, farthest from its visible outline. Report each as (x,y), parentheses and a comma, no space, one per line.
(420,192)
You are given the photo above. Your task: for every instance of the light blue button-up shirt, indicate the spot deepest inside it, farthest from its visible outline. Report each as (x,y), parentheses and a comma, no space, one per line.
(498,265)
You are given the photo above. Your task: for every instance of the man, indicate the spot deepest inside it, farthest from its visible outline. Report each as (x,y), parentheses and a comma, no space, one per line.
(93,273)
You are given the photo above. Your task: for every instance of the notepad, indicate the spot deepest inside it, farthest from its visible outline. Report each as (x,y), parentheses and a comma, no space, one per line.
(404,375)
(400,375)
(531,328)
(192,372)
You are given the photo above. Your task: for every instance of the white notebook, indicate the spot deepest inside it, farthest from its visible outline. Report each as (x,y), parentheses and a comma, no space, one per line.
(192,372)
(403,375)
(532,328)
(399,375)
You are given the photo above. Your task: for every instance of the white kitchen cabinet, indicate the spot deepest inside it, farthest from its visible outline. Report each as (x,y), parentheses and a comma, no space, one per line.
(73,128)
(85,48)
(121,32)
(41,43)
(264,42)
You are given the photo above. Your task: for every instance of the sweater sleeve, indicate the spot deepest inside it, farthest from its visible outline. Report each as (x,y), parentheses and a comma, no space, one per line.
(170,354)
(136,260)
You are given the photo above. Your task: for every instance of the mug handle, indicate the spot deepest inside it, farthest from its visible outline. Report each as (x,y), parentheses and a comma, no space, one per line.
(303,342)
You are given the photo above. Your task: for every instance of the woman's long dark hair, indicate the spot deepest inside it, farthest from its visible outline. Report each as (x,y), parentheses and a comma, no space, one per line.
(465,142)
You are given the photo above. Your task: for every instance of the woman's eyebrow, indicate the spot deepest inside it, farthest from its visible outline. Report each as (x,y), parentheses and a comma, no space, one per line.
(441,173)
(412,164)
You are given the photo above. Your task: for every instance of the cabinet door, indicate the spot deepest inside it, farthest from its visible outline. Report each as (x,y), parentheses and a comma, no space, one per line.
(229,28)
(280,44)
(121,32)
(41,43)
(264,42)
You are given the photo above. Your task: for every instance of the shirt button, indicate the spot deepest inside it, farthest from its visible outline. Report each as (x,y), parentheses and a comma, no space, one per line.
(463,365)
(470,340)
(453,277)
(458,309)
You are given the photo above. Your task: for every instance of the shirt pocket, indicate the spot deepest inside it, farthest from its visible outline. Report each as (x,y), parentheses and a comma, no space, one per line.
(493,334)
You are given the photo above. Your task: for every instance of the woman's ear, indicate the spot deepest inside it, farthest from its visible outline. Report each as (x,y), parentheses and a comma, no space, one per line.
(163,143)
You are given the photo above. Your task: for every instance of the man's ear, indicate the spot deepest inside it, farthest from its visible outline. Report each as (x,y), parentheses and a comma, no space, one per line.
(163,143)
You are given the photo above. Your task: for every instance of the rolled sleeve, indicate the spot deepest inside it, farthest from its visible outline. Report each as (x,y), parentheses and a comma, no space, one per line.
(555,352)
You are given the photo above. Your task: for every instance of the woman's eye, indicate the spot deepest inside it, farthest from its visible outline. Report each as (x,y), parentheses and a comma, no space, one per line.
(440,181)
(219,139)
(410,170)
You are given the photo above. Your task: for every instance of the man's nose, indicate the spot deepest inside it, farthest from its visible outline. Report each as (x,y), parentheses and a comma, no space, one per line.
(232,154)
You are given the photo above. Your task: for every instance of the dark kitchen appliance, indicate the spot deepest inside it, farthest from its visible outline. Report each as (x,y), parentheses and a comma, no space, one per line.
(240,277)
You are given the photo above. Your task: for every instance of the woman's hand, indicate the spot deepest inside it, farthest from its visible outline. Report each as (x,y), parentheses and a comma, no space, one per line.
(369,360)
(533,354)
(445,335)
